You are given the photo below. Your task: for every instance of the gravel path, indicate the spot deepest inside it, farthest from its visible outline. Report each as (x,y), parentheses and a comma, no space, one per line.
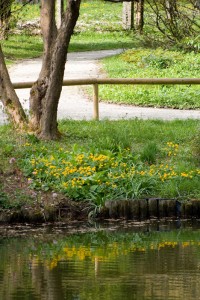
(74,104)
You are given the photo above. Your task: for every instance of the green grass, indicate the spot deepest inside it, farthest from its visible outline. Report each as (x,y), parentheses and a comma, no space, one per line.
(22,47)
(92,41)
(99,27)
(107,160)
(153,63)
(93,31)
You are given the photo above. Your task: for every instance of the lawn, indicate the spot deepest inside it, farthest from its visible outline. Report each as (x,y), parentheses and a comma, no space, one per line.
(153,63)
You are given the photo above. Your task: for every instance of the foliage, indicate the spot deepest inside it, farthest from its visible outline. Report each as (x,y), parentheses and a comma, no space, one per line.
(171,21)
(3,199)
(21,12)
(196,145)
(7,203)
(149,63)
(90,164)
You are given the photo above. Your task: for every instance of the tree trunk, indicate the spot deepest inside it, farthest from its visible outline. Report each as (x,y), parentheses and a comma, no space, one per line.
(5,12)
(139,22)
(49,128)
(171,9)
(60,11)
(128,15)
(38,91)
(45,92)
(9,97)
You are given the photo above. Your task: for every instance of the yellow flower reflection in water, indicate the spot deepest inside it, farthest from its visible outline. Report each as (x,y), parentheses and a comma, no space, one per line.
(109,252)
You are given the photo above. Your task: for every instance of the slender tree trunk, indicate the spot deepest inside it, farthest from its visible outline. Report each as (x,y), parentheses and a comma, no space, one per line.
(49,128)
(139,22)
(5,12)
(171,9)
(9,97)
(128,15)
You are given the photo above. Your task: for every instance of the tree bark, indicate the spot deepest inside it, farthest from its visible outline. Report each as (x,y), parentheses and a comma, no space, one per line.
(9,97)
(49,34)
(139,22)
(5,12)
(60,11)
(171,9)
(128,15)
(49,128)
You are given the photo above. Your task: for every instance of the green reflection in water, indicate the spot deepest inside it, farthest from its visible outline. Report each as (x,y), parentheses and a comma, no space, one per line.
(102,265)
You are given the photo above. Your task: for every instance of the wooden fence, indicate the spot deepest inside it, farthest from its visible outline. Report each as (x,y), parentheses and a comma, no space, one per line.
(96,81)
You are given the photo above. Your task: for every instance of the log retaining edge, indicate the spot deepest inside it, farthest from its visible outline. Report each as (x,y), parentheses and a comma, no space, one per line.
(151,208)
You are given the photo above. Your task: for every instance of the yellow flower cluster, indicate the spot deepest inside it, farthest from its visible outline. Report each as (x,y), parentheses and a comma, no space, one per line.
(172,149)
(67,170)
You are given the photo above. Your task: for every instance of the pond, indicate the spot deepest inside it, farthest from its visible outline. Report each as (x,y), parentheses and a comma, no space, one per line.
(150,261)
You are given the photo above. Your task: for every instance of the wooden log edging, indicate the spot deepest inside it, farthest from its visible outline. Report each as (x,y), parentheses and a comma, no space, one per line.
(144,209)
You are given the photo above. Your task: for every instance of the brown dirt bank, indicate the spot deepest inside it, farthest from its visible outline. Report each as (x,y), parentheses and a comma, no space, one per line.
(20,204)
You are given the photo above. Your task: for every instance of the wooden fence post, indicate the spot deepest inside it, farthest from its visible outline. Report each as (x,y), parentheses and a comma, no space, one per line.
(96,101)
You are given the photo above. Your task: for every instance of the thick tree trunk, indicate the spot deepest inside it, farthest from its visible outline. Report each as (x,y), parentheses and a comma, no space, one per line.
(38,91)
(9,97)
(49,128)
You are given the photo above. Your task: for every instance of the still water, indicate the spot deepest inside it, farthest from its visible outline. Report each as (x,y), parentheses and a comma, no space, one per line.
(142,262)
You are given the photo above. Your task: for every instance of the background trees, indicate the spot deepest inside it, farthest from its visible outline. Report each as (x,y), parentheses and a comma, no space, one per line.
(133,15)
(175,20)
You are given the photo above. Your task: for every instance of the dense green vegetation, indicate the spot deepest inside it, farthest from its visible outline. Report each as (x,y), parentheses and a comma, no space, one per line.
(110,160)
(153,63)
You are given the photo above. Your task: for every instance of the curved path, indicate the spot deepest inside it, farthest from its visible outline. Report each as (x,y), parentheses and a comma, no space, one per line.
(74,104)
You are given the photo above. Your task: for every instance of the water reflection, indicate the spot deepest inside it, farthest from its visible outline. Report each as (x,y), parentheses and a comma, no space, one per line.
(124,264)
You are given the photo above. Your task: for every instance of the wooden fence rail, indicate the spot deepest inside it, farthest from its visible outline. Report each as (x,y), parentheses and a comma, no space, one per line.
(96,81)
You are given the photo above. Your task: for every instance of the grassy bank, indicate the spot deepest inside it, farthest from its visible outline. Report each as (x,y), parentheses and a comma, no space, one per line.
(153,63)
(108,160)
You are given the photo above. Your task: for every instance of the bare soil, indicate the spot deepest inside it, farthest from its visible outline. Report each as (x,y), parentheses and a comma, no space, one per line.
(24,205)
